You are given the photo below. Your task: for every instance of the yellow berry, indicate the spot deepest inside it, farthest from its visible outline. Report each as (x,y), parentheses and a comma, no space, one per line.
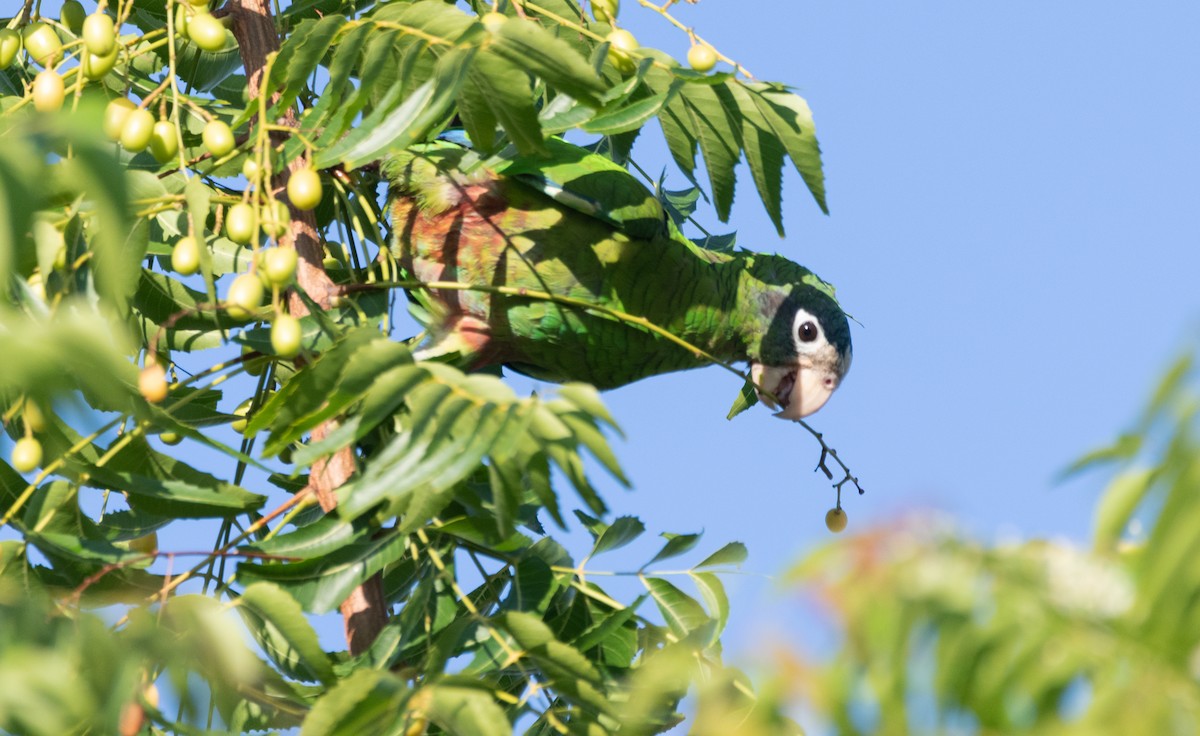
(152,382)
(26,455)
(701,57)
(48,91)
(835,519)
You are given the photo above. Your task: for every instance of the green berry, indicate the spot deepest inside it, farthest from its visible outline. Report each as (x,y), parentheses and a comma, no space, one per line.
(137,130)
(10,45)
(218,138)
(185,256)
(99,34)
(279,266)
(285,336)
(26,455)
(115,115)
(245,296)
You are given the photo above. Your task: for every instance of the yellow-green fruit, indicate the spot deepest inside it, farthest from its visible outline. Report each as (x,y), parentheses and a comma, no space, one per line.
(163,143)
(244,297)
(26,455)
(243,411)
(493,21)
(255,365)
(835,520)
(605,11)
(622,43)
(304,189)
(206,32)
(241,223)
(95,67)
(183,19)
(170,438)
(48,91)
(152,382)
(35,420)
(218,138)
(285,336)
(279,266)
(250,169)
(99,34)
(115,115)
(276,219)
(42,44)
(702,58)
(185,256)
(37,286)
(71,15)
(146,544)
(137,130)
(10,45)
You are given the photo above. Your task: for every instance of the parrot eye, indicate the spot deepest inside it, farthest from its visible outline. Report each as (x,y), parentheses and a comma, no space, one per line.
(808,332)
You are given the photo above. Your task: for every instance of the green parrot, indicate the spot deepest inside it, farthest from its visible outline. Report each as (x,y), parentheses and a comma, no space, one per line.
(577,225)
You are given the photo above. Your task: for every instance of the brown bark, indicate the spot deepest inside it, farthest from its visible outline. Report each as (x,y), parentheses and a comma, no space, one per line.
(364,613)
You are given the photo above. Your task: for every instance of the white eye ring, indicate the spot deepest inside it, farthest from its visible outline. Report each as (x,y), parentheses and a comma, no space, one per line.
(806,331)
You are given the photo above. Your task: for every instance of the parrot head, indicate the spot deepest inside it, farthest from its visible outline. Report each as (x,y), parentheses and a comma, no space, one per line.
(805,350)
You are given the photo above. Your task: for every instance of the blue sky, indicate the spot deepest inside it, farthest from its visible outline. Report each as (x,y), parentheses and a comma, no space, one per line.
(1013,197)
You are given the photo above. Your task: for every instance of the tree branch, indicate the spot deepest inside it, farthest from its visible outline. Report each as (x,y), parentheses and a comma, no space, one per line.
(365,611)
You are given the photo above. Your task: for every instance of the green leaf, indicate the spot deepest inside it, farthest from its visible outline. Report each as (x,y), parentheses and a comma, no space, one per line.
(746,398)
(621,532)
(504,88)
(366,701)
(466,710)
(531,47)
(676,545)
(627,117)
(321,583)
(399,126)
(713,592)
(1117,505)
(720,141)
(681,612)
(733,553)
(790,118)
(279,626)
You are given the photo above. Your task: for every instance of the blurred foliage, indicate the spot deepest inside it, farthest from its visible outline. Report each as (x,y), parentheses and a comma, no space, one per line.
(944,634)
(110,620)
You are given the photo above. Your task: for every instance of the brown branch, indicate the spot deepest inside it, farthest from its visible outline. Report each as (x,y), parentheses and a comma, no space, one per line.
(364,612)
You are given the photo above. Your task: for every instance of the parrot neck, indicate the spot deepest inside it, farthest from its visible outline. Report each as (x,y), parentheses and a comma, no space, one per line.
(725,317)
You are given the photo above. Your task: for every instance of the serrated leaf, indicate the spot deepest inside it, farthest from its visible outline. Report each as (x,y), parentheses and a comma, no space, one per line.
(676,545)
(398,126)
(713,591)
(466,710)
(720,141)
(681,612)
(790,118)
(366,701)
(531,47)
(321,583)
(746,398)
(279,625)
(627,117)
(733,553)
(621,532)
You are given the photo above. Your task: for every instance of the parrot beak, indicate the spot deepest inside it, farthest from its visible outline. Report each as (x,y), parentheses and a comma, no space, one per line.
(800,390)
